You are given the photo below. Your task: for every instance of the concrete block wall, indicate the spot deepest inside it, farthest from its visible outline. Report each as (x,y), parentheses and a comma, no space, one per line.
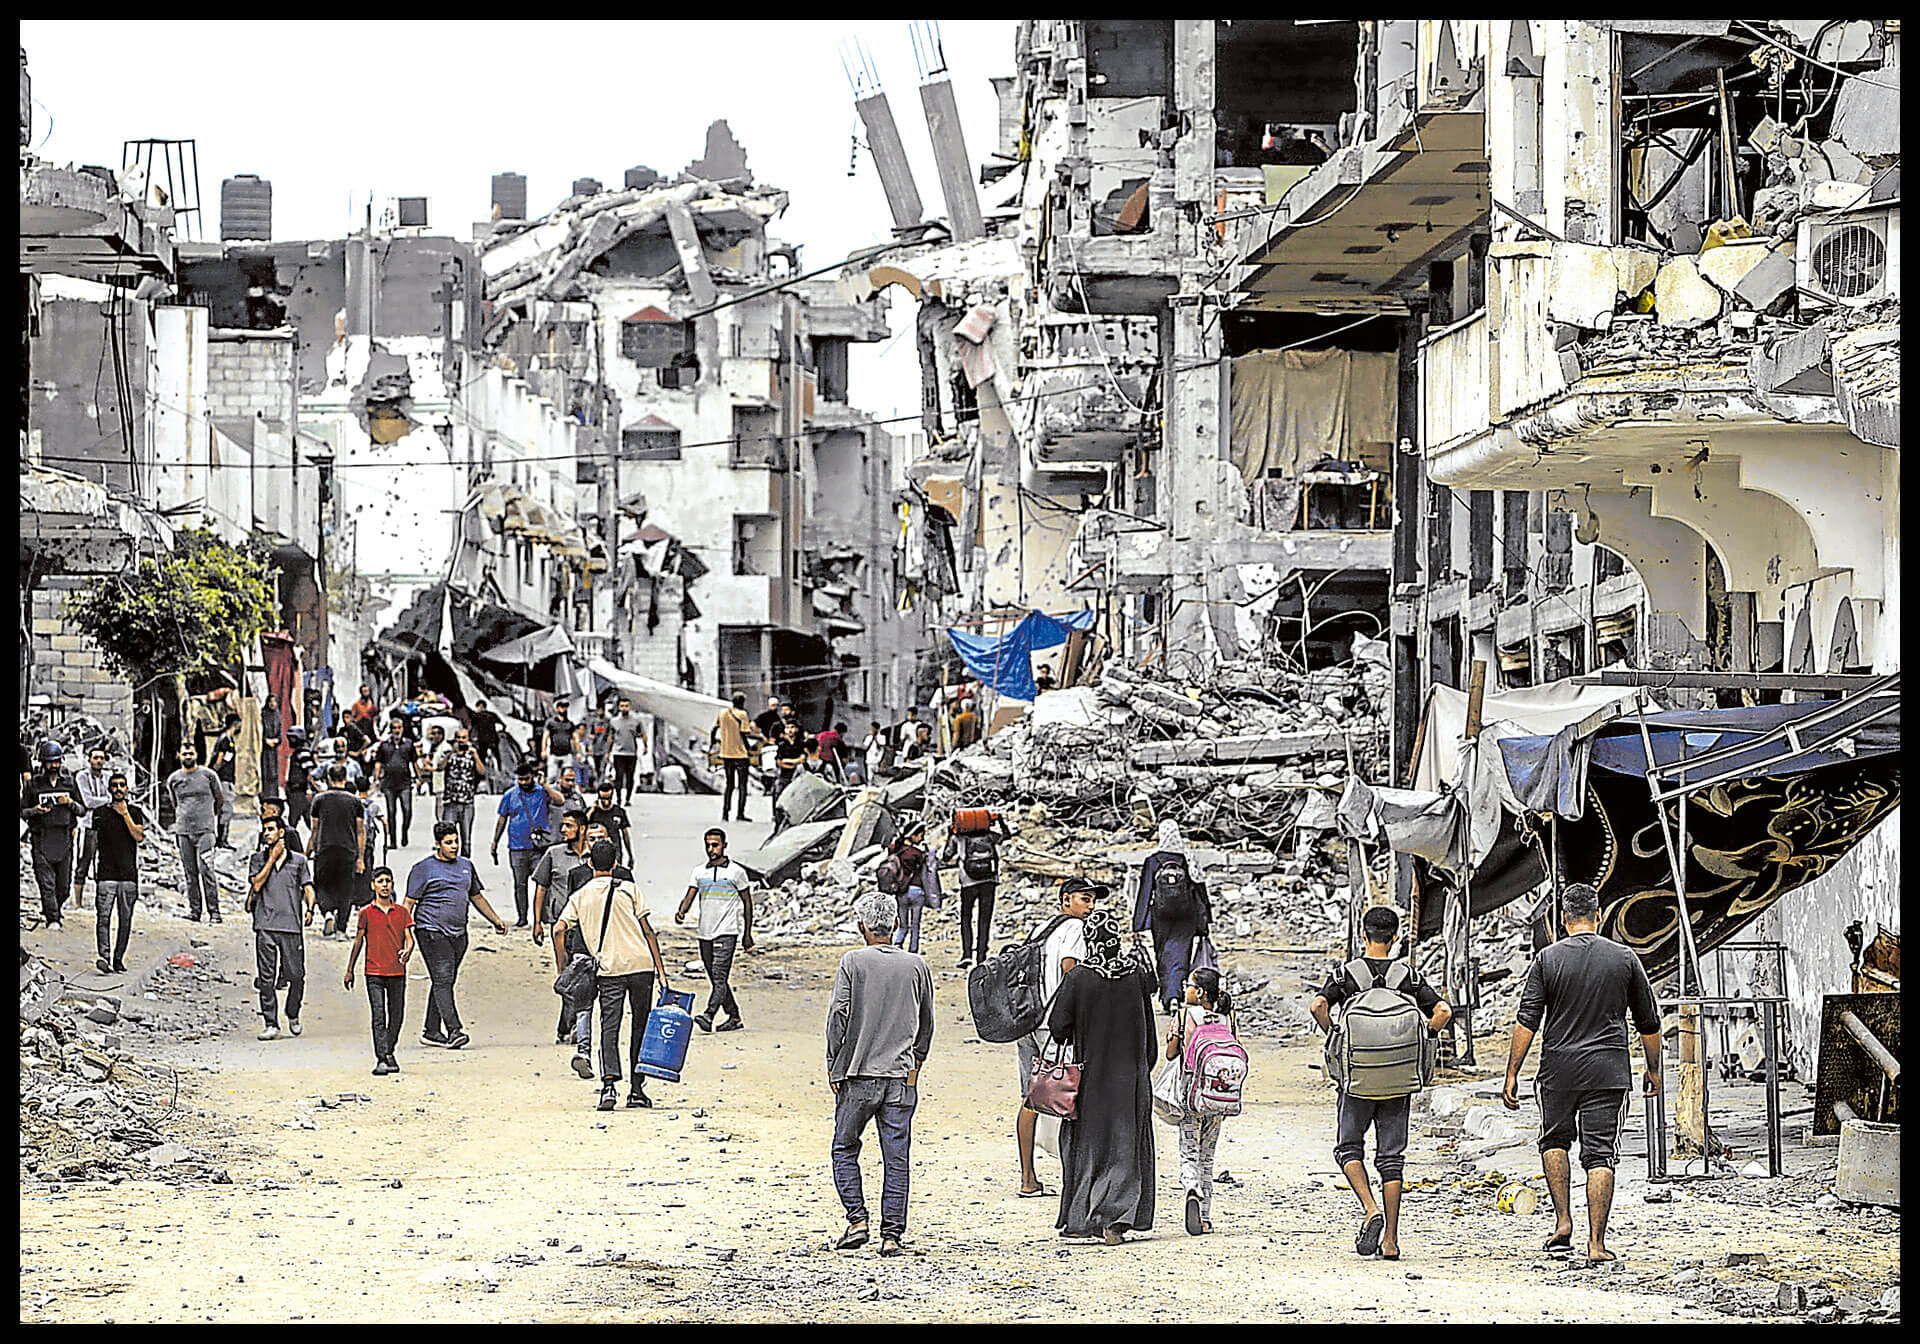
(251,378)
(68,666)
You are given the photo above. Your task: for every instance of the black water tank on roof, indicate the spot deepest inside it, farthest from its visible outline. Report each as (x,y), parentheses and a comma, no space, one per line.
(411,211)
(246,208)
(587,186)
(510,195)
(641,177)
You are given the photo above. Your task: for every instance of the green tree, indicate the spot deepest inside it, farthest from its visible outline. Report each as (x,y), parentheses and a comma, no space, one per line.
(192,610)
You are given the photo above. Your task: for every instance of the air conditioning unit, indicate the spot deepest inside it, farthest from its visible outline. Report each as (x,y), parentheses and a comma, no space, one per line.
(1849,259)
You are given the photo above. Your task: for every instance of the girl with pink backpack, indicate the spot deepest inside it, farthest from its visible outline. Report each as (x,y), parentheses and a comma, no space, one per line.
(1213,1070)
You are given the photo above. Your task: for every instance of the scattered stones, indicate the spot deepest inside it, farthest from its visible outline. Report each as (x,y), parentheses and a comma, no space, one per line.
(1752,1258)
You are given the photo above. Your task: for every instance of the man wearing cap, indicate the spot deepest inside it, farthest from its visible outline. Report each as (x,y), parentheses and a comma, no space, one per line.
(1066,946)
(50,801)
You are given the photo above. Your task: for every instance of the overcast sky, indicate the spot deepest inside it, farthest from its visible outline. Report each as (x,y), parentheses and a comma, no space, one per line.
(333,112)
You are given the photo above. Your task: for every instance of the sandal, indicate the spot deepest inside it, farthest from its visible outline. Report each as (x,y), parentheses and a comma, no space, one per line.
(1559,1241)
(890,1248)
(1369,1239)
(1113,1236)
(1607,1259)
(1041,1193)
(852,1239)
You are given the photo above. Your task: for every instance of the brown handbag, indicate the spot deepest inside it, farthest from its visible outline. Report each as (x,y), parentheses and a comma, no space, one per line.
(1054,1086)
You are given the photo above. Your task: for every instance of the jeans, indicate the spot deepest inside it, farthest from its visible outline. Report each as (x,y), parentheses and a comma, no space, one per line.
(981,896)
(576,1015)
(299,806)
(588,770)
(889,1103)
(196,861)
(84,864)
(716,954)
(277,957)
(226,811)
(614,992)
(623,768)
(461,815)
(1199,1136)
(333,882)
(522,863)
(736,771)
(54,876)
(1389,1121)
(555,764)
(399,813)
(1173,952)
(909,904)
(442,953)
(387,997)
(110,896)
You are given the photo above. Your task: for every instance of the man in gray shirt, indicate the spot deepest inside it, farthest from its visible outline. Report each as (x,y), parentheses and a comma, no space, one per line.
(628,741)
(195,791)
(281,902)
(879,1030)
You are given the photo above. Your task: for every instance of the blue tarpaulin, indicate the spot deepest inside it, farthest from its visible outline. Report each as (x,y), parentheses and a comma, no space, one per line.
(1004,662)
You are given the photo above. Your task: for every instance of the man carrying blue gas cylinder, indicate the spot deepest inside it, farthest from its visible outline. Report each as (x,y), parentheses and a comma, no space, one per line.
(611,916)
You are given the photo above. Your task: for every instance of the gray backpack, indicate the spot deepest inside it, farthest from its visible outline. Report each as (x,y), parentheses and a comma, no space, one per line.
(1379,1048)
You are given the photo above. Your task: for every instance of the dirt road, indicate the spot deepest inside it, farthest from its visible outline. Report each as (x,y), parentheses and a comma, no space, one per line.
(481,1185)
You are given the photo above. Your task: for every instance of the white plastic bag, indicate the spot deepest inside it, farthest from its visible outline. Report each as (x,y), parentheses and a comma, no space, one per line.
(1046,1135)
(1170,1091)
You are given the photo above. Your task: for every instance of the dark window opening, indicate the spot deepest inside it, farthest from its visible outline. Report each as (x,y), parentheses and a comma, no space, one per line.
(1479,541)
(830,357)
(1439,534)
(1281,89)
(1607,564)
(756,438)
(1556,566)
(650,443)
(756,544)
(1513,543)
(1129,58)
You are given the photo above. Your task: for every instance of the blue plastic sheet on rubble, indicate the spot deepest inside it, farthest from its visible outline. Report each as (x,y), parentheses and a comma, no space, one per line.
(1004,661)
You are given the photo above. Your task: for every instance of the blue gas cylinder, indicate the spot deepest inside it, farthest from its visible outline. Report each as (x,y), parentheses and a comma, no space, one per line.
(663,1049)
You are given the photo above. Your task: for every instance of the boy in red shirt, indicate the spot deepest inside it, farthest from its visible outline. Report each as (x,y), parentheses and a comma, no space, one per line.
(385,929)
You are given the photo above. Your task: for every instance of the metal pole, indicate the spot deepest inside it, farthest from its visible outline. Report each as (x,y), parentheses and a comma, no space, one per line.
(1769,1018)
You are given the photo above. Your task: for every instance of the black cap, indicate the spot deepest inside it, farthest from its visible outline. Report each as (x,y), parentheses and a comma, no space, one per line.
(1078,884)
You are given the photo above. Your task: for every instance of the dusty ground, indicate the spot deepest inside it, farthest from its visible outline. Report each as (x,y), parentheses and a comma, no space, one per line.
(481,1185)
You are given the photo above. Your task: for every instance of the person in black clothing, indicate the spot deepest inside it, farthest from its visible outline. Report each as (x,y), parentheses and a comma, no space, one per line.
(270,731)
(614,817)
(272,809)
(119,828)
(339,837)
(50,801)
(485,726)
(300,768)
(225,749)
(979,856)
(562,735)
(787,757)
(1353,1115)
(1584,986)
(1174,919)
(395,756)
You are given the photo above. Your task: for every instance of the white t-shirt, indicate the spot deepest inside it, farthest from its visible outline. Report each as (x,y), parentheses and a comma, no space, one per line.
(1069,940)
(719,890)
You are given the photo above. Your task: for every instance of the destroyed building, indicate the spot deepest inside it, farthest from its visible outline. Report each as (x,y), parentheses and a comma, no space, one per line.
(711,377)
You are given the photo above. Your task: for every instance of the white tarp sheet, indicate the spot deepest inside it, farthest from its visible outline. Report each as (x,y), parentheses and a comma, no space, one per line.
(689,711)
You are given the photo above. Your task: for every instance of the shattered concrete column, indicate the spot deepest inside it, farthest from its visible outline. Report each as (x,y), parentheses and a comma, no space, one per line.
(693,261)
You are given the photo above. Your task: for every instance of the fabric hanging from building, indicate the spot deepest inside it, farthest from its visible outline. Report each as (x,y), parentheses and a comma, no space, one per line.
(530,649)
(1293,407)
(689,711)
(1004,662)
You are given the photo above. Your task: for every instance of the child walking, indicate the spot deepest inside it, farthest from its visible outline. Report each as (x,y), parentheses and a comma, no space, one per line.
(385,929)
(1206,1004)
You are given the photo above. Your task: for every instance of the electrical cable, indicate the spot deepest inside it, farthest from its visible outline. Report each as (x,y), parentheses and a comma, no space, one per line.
(1810,60)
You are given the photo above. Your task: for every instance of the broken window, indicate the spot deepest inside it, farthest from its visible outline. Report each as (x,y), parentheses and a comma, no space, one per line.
(651,441)
(1613,637)
(1282,86)
(1556,566)
(1513,543)
(1479,541)
(756,438)
(830,356)
(756,544)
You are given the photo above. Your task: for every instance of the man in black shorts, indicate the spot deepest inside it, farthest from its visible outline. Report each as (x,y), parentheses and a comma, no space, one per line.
(1585,986)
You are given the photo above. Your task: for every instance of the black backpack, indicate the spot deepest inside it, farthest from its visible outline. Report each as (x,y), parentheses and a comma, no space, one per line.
(1007,992)
(1171,901)
(979,859)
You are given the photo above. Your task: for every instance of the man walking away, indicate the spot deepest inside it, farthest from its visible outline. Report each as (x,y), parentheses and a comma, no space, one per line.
(614,817)
(597,739)
(339,844)
(563,742)
(611,918)
(1066,947)
(1379,1232)
(119,829)
(51,804)
(725,892)
(462,773)
(1172,902)
(282,906)
(733,736)
(395,756)
(92,783)
(196,806)
(385,929)
(628,739)
(979,856)
(523,814)
(879,1030)
(486,727)
(300,777)
(966,723)
(1584,986)
(439,889)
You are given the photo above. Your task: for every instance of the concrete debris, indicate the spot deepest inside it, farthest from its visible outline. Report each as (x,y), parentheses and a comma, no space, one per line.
(1681,297)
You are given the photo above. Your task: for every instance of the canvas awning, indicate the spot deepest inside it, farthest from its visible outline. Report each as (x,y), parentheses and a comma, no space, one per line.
(689,711)
(1004,662)
(530,649)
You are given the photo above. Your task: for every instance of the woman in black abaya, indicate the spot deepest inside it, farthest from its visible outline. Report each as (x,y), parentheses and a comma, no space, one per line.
(1104,1010)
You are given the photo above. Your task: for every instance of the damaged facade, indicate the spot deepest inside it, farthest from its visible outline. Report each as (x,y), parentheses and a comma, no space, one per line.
(752,501)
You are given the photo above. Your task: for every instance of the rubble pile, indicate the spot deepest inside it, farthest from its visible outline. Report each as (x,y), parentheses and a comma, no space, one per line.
(162,882)
(88,1110)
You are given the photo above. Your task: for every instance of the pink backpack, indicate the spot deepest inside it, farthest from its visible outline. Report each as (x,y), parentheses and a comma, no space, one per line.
(1216,1069)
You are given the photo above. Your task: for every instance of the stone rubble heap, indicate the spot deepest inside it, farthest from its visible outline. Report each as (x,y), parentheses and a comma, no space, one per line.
(89,1111)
